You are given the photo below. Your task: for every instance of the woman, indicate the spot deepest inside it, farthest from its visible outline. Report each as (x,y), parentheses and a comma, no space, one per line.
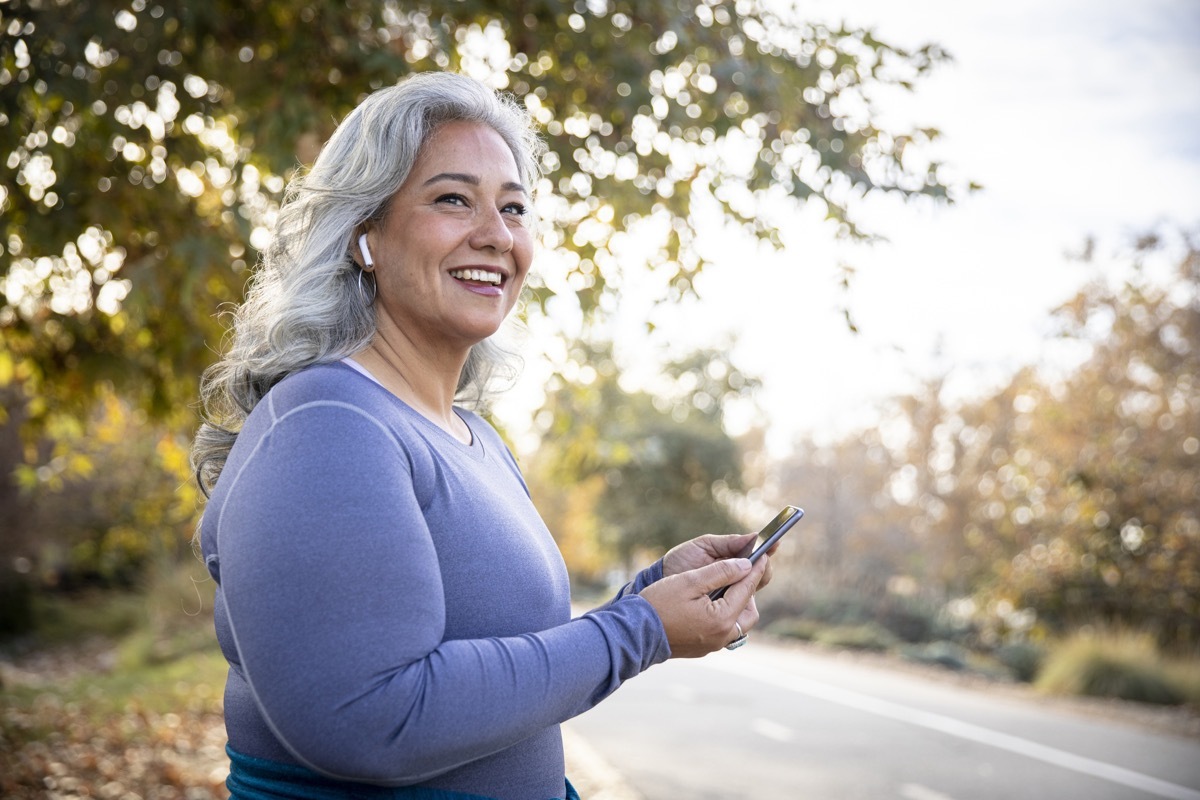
(393,609)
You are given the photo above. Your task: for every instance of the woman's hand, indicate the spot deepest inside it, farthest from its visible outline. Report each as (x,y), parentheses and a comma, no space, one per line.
(704,550)
(694,624)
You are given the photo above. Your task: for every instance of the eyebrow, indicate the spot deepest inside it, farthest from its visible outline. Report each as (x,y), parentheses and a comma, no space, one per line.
(473,180)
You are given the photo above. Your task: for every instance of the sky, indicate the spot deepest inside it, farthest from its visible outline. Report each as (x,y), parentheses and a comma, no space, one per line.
(1079,119)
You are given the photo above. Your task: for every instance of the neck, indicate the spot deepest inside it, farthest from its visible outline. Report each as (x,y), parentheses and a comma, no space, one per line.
(427,382)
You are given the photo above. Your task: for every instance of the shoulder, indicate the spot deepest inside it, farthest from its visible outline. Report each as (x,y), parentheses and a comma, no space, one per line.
(329,405)
(336,390)
(328,383)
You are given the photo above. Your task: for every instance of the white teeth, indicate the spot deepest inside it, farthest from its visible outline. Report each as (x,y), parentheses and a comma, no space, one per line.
(481,275)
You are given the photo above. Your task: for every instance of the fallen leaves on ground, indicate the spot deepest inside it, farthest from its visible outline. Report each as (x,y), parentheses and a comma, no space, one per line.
(55,746)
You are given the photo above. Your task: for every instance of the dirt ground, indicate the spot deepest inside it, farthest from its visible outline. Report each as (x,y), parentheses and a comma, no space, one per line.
(58,748)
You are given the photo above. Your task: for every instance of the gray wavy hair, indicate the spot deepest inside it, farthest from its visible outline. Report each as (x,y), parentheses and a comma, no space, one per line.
(305,305)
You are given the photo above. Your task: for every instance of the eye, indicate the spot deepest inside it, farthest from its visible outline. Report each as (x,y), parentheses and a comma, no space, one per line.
(516,209)
(452,199)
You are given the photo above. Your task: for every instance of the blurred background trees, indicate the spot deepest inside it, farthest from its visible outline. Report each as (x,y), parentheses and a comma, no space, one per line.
(144,147)
(1068,498)
(623,475)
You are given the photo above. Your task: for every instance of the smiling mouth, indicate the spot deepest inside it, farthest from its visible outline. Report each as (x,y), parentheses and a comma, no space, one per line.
(483,276)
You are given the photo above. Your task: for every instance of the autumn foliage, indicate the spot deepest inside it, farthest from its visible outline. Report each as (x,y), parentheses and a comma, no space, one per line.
(1069,497)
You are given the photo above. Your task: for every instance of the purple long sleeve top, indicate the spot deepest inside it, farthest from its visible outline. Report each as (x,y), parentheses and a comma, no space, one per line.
(392,607)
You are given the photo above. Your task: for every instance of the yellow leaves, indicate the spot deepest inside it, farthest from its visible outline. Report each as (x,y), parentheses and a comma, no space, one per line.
(36,406)
(79,466)
(578,534)
(26,477)
(114,737)
(571,513)
(7,368)
(173,455)
(129,540)
(113,490)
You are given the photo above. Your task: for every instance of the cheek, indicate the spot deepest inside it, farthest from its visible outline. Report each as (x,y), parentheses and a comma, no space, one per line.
(523,252)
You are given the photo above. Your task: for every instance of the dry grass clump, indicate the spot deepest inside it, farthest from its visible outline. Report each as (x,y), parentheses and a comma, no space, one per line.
(1118,664)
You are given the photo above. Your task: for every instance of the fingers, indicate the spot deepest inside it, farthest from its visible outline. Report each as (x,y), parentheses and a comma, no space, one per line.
(721,573)
(702,550)
(748,619)
(741,592)
(767,574)
(746,615)
(695,625)
(733,546)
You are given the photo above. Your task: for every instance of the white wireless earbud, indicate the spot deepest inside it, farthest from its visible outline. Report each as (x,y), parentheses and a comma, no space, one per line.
(366,253)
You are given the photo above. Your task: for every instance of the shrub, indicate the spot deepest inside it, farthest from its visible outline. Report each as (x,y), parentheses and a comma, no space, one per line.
(1120,665)
(794,628)
(857,637)
(836,609)
(1184,674)
(66,617)
(16,604)
(909,620)
(1023,659)
(943,654)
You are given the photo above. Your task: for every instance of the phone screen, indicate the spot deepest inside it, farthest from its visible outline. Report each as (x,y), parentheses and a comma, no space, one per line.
(768,536)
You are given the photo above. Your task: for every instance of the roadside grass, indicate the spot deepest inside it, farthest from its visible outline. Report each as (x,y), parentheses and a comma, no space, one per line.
(116,693)
(65,619)
(868,636)
(1023,660)
(805,630)
(1119,664)
(1185,674)
(1123,665)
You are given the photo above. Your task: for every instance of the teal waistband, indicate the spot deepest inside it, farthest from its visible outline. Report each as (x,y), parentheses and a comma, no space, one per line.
(253,778)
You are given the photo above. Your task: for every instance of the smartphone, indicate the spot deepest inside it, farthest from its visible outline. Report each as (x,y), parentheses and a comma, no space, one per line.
(767,537)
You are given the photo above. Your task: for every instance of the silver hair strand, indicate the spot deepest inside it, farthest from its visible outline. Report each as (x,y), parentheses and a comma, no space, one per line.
(304,306)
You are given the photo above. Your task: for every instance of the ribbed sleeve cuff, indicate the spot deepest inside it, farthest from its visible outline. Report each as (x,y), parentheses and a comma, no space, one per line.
(649,575)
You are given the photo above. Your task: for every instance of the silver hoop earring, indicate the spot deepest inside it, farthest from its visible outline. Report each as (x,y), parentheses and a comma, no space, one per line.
(362,292)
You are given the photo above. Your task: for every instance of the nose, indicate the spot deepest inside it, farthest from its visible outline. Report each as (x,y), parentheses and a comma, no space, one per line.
(491,231)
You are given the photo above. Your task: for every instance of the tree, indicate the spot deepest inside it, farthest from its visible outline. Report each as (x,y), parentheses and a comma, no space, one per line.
(840,484)
(619,472)
(1111,494)
(144,146)
(957,461)
(1067,500)
(97,526)
(1058,501)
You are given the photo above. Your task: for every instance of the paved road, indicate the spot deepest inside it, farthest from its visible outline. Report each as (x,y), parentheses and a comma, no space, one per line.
(777,721)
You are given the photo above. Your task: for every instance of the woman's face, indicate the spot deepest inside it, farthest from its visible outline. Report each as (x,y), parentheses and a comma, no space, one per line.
(454,246)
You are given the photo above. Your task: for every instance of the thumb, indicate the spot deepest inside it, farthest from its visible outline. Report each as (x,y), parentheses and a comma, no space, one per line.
(721,573)
(733,546)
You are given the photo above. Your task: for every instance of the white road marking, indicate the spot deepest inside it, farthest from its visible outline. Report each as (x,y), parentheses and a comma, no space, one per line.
(954,727)
(772,730)
(915,791)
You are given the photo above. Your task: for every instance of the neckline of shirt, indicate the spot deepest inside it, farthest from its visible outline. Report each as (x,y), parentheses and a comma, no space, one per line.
(475,445)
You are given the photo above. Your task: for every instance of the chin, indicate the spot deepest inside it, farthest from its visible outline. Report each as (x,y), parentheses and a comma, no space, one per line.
(476,334)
